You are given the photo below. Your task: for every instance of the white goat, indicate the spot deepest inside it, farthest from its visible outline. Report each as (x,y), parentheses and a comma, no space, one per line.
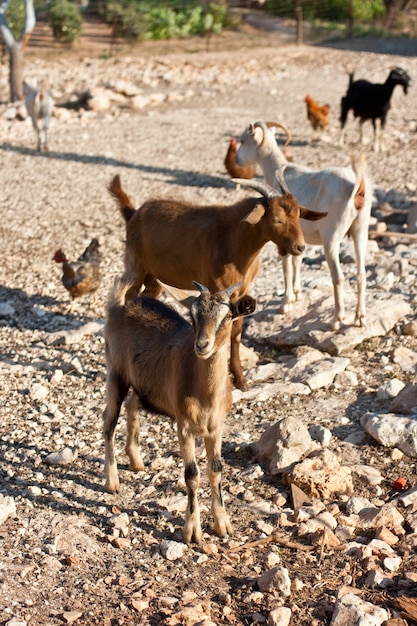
(39,105)
(345,193)
(174,369)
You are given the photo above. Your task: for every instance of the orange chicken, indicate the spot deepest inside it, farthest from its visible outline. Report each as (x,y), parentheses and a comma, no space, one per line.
(318,116)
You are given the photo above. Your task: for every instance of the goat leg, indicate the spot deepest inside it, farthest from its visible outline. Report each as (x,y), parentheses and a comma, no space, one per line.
(331,252)
(222,525)
(192,526)
(235,364)
(289,295)
(132,441)
(116,393)
(359,234)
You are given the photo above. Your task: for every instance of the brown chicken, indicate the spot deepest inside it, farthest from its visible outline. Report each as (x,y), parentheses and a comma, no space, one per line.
(318,116)
(82,276)
(233,169)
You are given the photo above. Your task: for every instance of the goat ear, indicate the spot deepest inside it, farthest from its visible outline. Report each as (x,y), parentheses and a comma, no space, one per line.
(185,298)
(245,305)
(255,216)
(312,216)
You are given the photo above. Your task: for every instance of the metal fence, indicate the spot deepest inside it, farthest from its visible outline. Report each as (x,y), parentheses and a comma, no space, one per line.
(392,16)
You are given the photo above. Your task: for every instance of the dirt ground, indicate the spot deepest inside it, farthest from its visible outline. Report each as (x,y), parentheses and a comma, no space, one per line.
(61,560)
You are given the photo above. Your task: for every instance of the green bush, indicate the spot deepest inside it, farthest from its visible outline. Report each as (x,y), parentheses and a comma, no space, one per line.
(126,19)
(65,20)
(168,23)
(134,19)
(15,15)
(330,10)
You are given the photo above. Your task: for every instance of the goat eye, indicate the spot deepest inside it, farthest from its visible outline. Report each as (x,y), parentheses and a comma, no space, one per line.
(276,220)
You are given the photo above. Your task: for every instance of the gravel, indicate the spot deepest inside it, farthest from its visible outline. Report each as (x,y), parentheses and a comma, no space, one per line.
(63,557)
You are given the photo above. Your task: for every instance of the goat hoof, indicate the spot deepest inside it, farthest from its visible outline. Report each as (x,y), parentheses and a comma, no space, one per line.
(360,321)
(335,325)
(112,487)
(190,534)
(285,308)
(224,529)
(240,383)
(136,466)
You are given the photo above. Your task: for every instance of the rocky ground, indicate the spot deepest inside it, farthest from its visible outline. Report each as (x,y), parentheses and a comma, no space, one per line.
(340,541)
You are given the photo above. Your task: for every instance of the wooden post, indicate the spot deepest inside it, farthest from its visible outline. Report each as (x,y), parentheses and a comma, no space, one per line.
(299,20)
(350,18)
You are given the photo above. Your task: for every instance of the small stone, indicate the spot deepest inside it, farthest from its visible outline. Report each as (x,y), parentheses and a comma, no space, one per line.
(370,475)
(121,542)
(7,507)
(172,550)
(396,454)
(384,534)
(410,328)
(140,605)
(57,376)
(34,490)
(389,389)
(211,549)
(119,520)
(72,616)
(280,616)
(38,392)
(276,579)
(352,610)
(272,559)
(392,564)
(320,434)
(63,457)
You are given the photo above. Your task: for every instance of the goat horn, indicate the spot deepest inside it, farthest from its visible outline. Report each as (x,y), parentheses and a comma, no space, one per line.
(263,188)
(279,175)
(229,290)
(200,287)
(284,128)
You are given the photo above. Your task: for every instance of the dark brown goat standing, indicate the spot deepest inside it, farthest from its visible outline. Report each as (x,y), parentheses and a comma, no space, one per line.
(175,369)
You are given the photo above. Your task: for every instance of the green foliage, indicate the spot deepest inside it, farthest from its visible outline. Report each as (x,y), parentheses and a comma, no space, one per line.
(65,20)
(329,10)
(368,9)
(168,23)
(15,16)
(150,19)
(126,19)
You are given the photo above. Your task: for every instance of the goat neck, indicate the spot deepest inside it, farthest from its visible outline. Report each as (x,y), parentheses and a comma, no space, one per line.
(209,387)
(269,154)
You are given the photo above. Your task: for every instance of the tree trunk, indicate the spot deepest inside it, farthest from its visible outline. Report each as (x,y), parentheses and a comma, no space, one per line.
(16,48)
(16,71)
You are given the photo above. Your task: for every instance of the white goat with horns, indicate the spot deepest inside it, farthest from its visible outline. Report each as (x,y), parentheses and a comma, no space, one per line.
(345,193)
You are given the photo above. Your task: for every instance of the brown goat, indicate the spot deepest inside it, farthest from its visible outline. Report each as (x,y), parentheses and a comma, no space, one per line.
(174,369)
(218,246)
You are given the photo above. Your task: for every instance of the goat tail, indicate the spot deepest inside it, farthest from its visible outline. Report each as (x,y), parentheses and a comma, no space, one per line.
(124,203)
(117,296)
(363,193)
(350,72)
(359,164)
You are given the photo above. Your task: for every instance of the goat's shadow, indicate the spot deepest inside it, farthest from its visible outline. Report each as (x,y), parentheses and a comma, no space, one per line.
(179,177)
(38,312)
(85,471)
